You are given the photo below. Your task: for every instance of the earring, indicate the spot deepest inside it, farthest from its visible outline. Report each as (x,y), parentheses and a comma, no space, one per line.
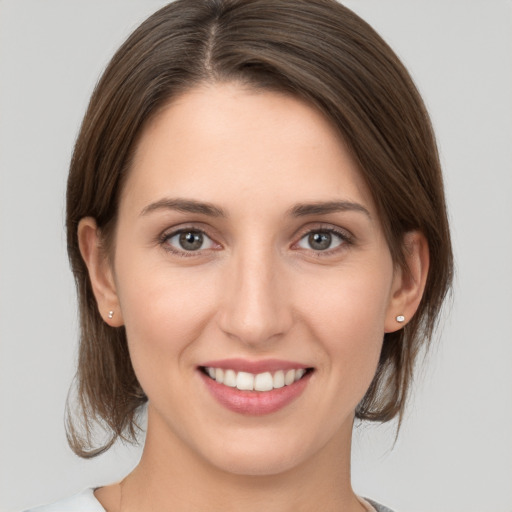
(111,314)
(400,319)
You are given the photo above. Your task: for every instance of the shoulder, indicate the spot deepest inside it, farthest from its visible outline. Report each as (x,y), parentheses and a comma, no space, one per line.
(84,501)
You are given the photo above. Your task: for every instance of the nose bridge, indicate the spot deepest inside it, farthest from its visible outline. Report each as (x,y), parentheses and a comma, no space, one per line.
(255,308)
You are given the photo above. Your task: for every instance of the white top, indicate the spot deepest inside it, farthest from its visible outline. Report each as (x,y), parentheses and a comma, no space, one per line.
(85,501)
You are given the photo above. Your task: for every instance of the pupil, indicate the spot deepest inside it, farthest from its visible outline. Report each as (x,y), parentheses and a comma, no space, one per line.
(191,241)
(320,241)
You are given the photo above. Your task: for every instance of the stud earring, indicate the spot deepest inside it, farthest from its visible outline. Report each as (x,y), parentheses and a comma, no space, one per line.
(400,319)
(111,314)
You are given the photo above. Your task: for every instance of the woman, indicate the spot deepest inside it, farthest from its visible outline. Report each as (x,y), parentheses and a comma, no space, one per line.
(257,227)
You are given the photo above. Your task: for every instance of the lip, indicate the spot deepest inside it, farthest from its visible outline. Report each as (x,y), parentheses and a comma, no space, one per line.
(254,403)
(245,365)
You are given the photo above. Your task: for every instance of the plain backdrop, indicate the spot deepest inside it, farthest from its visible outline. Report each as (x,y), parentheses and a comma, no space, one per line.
(454,453)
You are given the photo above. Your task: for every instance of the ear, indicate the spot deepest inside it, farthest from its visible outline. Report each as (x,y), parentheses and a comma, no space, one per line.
(408,283)
(100,272)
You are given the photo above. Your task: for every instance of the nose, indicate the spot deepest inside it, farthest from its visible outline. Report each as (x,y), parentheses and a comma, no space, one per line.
(256,307)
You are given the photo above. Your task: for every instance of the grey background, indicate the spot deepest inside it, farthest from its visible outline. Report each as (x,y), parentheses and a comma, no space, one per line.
(454,453)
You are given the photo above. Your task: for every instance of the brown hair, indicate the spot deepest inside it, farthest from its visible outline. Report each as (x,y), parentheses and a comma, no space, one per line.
(315,49)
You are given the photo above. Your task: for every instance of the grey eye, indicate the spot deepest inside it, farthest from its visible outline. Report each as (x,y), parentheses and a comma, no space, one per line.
(320,240)
(190,241)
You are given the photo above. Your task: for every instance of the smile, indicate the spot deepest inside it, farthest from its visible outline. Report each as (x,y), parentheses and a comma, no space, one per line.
(245,381)
(255,388)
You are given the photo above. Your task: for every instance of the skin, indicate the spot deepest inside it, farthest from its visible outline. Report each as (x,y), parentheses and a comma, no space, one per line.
(256,289)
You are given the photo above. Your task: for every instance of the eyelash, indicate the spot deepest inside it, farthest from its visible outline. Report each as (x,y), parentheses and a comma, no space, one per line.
(166,236)
(345,238)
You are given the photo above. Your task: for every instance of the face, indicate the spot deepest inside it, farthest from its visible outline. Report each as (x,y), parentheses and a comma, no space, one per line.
(249,253)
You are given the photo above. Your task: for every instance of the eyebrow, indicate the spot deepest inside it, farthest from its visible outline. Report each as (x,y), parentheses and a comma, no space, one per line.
(323,208)
(209,209)
(184,205)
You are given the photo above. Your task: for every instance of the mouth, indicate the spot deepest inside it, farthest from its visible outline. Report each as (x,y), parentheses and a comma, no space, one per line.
(255,388)
(259,382)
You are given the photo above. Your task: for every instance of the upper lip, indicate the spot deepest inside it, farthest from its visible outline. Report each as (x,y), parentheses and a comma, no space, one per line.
(261,366)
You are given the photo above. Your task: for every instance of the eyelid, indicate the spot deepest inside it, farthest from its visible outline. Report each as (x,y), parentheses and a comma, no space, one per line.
(346,236)
(170,233)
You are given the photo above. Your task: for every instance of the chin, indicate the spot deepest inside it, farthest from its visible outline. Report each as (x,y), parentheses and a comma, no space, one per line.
(261,464)
(260,453)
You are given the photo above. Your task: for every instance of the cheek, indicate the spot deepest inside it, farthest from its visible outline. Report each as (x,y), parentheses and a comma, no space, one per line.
(353,301)
(164,311)
(347,319)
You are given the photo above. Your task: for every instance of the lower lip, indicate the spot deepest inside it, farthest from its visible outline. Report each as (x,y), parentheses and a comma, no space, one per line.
(255,403)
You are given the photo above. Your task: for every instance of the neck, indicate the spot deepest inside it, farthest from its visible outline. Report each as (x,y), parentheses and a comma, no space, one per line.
(171,476)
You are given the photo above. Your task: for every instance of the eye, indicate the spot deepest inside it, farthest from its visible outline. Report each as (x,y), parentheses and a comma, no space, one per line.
(322,240)
(188,240)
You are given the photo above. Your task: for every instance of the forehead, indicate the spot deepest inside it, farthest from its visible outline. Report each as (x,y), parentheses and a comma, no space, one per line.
(229,144)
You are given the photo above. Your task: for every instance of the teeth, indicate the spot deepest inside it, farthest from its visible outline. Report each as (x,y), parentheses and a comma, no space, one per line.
(244,381)
(299,374)
(289,378)
(230,378)
(261,382)
(279,379)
